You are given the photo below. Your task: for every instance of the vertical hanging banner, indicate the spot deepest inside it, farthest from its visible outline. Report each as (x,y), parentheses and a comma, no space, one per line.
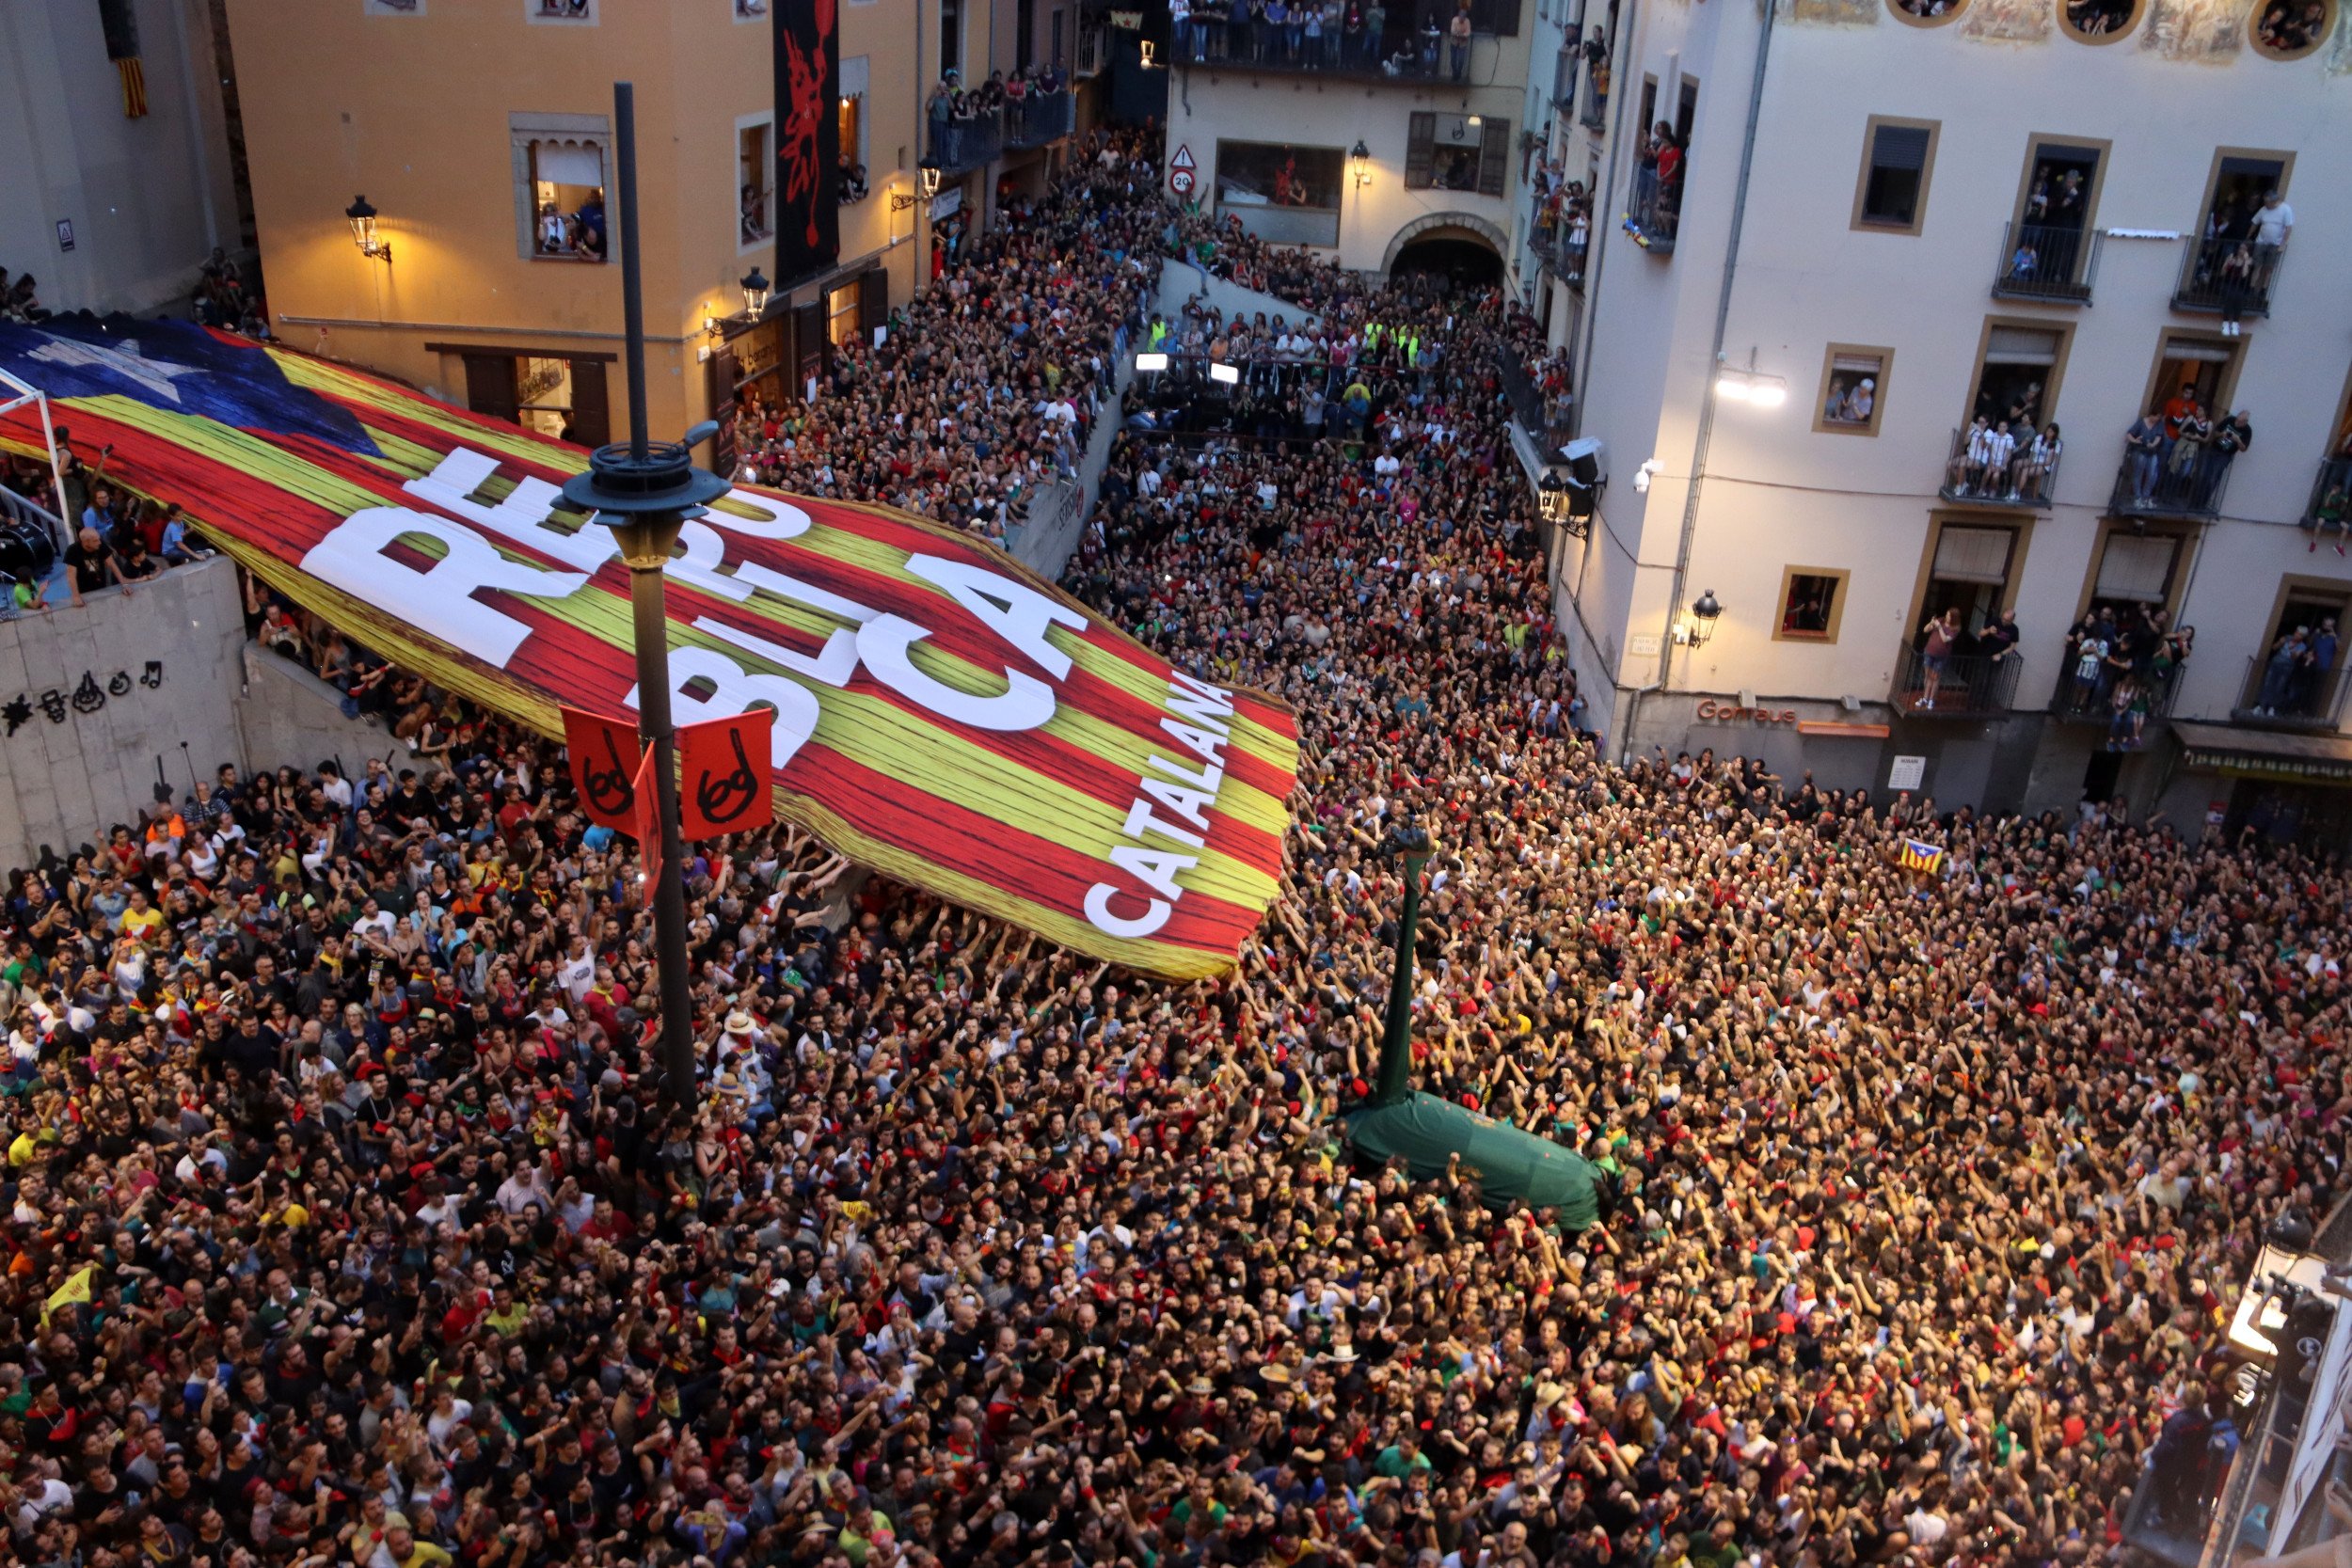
(808,138)
(940,715)
(120,26)
(604,754)
(721,787)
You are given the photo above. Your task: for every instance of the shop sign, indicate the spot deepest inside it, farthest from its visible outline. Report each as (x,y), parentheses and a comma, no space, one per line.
(1727,713)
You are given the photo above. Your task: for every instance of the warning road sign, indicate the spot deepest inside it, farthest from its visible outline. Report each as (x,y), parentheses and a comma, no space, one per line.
(1182,158)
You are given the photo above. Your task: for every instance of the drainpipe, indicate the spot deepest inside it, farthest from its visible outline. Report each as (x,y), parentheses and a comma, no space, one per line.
(1597,253)
(1714,358)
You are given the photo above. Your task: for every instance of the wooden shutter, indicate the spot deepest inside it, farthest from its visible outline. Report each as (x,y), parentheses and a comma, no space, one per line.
(592,403)
(1420,150)
(490,386)
(1494,156)
(721,375)
(808,343)
(873,298)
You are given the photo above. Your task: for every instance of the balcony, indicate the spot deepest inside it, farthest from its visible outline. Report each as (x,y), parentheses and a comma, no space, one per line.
(2155,483)
(2228,276)
(1038,120)
(2332,496)
(1397,57)
(1547,237)
(2040,262)
(1971,478)
(1970,685)
(2126,702)
(1653,213)
(961,146)
(1594,115)
(2290,694)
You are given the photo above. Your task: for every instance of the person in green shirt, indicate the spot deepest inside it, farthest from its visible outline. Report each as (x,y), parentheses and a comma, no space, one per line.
(862,1529)
(1400,1459)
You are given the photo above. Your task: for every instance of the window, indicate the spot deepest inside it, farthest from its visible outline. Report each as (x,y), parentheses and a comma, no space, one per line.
(1969,570)
(2134,570)
(841,314)
(391,8)
(560,162)
(1927,13)
(2017,374)
(563,397)
(1500,17)
(754,181)
(750,10)
(2222,269)
(2290,29)
(1058,22)
(2196,366)
(1023,34)
(1812,601)
(1284,194)
(2054,231)
(850,122)
(1853,389)
(1564,78)
(577,12)
(950,36)
(2099,21)
(1457,152)
(1896,158)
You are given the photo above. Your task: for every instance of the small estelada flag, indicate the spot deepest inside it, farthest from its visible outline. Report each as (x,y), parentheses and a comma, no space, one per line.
(647,825)
(604,755)
(725,784)
(1925,859)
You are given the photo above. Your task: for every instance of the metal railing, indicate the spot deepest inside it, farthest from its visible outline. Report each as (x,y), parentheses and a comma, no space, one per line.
(2043,262)
(1552,244)
(1093,51)
(1654,212)
(961,146)
(24,512)
(2019,481)
(2214,276)
(1039,118)
(1965,685)
(1594,115)
(2164,483)
(2146,696)
(1222,44)
(2290,694)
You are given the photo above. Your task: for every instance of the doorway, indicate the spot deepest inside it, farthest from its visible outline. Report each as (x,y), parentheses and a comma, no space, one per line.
(2100,776)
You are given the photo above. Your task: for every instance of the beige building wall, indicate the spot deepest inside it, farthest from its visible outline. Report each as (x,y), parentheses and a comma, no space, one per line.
(421,109)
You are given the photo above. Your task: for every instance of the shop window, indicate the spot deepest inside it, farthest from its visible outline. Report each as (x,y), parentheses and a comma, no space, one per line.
(560,397)
(1470,153)
(1853,389)
(1812,600)
(755,180)
(1897,156)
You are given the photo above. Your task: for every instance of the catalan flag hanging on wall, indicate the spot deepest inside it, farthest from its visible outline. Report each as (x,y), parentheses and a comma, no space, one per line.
(121,24)
(1925,859)
(941,714)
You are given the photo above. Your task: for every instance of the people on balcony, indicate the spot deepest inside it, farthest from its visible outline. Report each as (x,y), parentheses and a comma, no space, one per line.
(2037,461)
(2294,679)
(2144,446)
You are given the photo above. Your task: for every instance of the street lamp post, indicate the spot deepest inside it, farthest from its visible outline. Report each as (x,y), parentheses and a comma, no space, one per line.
(1411,844)
(643,491)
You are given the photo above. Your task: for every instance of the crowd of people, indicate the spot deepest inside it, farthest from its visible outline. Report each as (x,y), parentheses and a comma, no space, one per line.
(986,387)
(1326,35)
(348,1222)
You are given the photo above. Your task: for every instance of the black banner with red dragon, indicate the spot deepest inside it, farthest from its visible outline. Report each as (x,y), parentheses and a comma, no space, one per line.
(808,139)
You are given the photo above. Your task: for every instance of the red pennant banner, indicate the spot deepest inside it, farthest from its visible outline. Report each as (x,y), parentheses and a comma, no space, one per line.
(723,780)
(647,827)
(604,754)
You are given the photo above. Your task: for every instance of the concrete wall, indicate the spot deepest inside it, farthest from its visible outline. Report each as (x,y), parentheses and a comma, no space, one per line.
(67,781)
(147,197)
(1182,281)
(289,714)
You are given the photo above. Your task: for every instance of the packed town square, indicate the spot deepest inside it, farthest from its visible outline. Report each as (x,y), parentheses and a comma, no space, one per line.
(347,1225)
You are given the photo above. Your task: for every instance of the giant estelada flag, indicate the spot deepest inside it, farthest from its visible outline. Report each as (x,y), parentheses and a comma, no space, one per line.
(941,714)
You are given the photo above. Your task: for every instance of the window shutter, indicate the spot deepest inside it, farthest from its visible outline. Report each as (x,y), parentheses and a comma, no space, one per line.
(1494,156)
(873,300)
(723,373)
(1856,364)
(2136,568)
(2021,345)
(1420,150)
(808,344)
(591,407)
(490,386)
(567,164)
(1904,147)
(1973,554)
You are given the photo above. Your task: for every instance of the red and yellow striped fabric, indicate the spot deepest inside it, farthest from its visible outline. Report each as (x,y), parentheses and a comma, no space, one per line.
(944,716)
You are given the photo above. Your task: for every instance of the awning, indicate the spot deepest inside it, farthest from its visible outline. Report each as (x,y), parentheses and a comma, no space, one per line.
(2247,753)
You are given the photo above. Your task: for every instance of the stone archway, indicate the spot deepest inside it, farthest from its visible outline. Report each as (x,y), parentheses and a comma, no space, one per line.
(1458,225)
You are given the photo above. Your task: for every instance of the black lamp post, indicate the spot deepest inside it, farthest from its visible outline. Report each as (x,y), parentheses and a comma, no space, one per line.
(643,491)
(755,286)
(1411,845)
(1704,615)
(361,215)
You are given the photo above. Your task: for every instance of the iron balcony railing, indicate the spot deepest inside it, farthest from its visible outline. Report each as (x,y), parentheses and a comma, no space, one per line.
(1220,43)
(2330,503)
(1966,686)
(2018,480)
(2234,277)
(2163,482)
(1548,237)
(1594,115)
(1038,120)
(1653,213)
(2126,701)
(2040,261)
(961,146)
(2290,692)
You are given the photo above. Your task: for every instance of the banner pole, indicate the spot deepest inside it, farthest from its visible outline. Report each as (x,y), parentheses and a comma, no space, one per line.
(1396,1036)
